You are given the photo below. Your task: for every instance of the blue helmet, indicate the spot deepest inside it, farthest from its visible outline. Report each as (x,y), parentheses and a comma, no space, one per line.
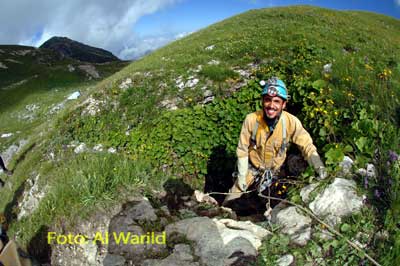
(274,87)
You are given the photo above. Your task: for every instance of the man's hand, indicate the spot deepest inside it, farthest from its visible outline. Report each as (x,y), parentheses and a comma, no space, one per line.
(318,165)
(241,183)
(322,173)
(243,167)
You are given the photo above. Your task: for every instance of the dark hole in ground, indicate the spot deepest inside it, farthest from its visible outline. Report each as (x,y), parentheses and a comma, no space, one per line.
(176,189)
(220,167)
(38,248)
(219,179)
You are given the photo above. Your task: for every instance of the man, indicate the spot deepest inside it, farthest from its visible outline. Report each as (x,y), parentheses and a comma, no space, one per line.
(265,136)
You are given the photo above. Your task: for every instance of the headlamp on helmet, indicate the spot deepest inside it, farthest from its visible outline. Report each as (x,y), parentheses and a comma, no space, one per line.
(274,87)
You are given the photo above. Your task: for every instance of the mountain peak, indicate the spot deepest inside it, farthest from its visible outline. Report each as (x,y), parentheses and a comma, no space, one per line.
(76,50)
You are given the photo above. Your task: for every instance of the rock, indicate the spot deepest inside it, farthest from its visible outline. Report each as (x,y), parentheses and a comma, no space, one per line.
(294,224)
(76,255)
(170,104)
(91,253)
(305,192)
(6,135)
(22,52)
(93,106)
(32,107)
(208,99)
(208,93)
(162,85)
(244,73)
(198,69)
(125,224)
(285,260)
(371,171)
(183,252)
(31,197)
(327,68)
(180,85)
(147,74)
(12,150)
(125,84)
(30,113)
(165,211)
(56,108)
(191,83)
(141,211)
(81,148)
(209,48)
(74,96)
(346,165)
(201,197)
(98,147)
(114,260)
(338,200)
(71,68)
(181,256)
(362,172)
(217,244)
(111,150)
(13,61)
(324,234)
(215,211)
(258,231)
(90,71)
(214,62)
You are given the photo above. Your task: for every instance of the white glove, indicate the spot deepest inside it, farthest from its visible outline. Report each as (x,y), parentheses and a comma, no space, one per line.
(318,165)
(243,166)
(322,173)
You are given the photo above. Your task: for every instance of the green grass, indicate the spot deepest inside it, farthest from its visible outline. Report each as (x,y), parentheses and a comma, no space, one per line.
(78,185)
(353,110)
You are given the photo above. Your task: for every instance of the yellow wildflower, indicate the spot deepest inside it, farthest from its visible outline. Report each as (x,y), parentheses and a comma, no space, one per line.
(368,67)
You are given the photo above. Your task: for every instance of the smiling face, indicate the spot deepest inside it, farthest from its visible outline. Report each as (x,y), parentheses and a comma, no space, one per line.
(273,106)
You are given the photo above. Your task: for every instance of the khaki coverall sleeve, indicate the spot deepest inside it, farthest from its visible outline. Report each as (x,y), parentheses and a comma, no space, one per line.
(244,138)
(302,139)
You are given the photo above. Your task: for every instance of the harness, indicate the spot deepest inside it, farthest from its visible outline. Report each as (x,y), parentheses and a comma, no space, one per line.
(266,177)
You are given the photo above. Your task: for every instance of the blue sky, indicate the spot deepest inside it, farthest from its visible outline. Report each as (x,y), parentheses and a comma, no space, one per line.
(130,28)
(190,15)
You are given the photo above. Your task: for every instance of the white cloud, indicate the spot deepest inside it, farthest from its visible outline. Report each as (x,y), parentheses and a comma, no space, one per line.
(143,45)
(397,2)
(101,23)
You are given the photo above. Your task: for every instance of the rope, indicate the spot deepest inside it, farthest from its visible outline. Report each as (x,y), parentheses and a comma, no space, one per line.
(310,213)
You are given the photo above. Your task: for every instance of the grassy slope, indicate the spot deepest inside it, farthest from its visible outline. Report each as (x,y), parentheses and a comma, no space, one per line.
(38,77)
(276,36)
(293,42)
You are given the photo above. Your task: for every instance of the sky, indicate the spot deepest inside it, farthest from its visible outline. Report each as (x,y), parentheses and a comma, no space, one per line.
(130,28)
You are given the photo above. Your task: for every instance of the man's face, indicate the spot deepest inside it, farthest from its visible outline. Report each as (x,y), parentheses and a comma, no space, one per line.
(273,106)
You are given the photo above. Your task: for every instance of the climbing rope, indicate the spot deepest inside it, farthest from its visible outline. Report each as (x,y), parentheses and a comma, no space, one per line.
(307,211)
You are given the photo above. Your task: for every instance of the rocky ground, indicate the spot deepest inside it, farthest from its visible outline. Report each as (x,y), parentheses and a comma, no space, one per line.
(191,228)
(198,232)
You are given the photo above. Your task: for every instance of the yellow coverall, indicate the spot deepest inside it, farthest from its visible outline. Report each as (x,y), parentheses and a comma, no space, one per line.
(269,150)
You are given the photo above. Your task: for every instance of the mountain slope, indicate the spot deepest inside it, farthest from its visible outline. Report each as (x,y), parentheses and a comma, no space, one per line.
(79,51)
(44,69)
(293,43)
(177,113)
